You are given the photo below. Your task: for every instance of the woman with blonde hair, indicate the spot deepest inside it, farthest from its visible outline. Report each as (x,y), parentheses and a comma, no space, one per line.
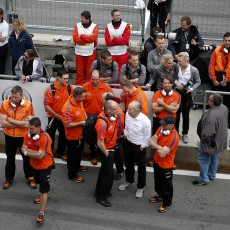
(19,41)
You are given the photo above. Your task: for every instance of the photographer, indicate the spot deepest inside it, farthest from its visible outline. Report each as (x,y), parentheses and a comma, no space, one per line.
(188,80)
(188,40)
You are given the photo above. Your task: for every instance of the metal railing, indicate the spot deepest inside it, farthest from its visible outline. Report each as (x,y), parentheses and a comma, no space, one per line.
(14,78)
(206,92)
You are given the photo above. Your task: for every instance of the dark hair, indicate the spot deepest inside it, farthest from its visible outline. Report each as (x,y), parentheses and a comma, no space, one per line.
(186,19)
(169,78)
(109,96)
(35,121)
(217,99)
(155,30)
(104,54)
(132,53)
(17,89)
(31,53)
(113,11)
(61,72)
(78,91)
(227,34)
(1,12)
(86,14)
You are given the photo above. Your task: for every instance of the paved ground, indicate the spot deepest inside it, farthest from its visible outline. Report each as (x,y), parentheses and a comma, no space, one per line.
(72,205)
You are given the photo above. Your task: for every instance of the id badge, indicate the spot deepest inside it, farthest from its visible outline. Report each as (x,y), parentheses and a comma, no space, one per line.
(187,46)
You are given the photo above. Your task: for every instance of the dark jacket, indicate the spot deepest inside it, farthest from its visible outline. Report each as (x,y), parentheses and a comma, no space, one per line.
(18,46)
(179,45)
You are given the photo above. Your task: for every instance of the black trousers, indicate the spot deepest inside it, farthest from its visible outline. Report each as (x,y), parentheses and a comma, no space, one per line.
(93,151)
(118,159)
(186,103)
(133,154)
(106,175)
(74,149)
(12,143)
(3,55)
(226,98)
(163,183)
(62,142)
(14,63)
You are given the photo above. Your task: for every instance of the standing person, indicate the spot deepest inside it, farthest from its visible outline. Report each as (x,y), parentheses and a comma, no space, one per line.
(117,36)
(188,40)
(187,81)
(92,102)
(118,160)
(166,67)
(133,70)
(37,145)
(213,139)
(73,118)
(219,70)
(29,67)
(159,10)
(4,31)
(164,143)
(133,93)
(16,112)
(85,36)
(137,134)
(19,41)
(108,69)
(106,128)
(55,96)
(155,55)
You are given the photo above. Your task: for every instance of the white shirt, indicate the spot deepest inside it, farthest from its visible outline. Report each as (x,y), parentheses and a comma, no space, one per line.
(183,78)
(138,130)
(4,32)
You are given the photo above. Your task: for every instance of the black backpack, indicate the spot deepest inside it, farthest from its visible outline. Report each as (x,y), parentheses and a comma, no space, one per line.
(89,132)
(54,89)
(98,67)
(139,71)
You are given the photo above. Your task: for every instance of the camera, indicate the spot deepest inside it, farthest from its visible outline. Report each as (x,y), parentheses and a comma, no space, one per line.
(193,32)
(207,47)
(187,86)
(170,35)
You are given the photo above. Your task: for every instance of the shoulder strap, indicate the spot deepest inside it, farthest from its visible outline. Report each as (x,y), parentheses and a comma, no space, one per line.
(139,69)
(53,89)
(126,70)
(112,65)
(69,89)
(98,65)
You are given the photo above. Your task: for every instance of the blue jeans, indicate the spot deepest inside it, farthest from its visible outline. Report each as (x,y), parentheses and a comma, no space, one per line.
(208,165)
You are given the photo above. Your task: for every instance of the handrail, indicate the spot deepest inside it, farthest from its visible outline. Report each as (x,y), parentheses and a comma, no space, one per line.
(210,92)
(14,78)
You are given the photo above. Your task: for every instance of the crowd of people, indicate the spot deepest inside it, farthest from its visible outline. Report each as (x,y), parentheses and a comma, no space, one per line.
(171,75)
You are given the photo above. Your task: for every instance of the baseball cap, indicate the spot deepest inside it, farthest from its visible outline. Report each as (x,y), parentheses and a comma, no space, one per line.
(168,120)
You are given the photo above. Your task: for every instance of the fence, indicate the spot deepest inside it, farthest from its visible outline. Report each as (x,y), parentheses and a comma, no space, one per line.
(211,16)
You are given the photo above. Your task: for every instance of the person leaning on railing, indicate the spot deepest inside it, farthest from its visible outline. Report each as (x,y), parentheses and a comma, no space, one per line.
(29,67)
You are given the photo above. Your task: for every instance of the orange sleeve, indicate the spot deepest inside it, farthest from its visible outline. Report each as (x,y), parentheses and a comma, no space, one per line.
(48,97)
(30,110)
(3,110)
(211,68)
(92,37)
(156,96)
(76,38)
(101,128)
(144,103)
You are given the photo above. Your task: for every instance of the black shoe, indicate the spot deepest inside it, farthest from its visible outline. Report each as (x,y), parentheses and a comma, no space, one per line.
(104,202)
(198,183)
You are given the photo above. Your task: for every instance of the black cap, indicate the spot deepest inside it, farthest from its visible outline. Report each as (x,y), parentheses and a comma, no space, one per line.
(168,120)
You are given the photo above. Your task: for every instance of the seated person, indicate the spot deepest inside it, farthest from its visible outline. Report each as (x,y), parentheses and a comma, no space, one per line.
(29,67)
(166,67)
(107,68)
(133,70)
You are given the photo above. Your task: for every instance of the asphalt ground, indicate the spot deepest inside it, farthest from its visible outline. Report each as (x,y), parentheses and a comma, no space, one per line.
(73,206)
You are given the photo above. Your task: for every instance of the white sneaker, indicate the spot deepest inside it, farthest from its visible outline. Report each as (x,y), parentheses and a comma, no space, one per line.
(125,185)
(185,138)
(139,193)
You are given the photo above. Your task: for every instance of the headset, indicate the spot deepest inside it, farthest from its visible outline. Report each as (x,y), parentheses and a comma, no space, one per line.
(164,93)
(165,132)
(111,117)
(225,50)
(22,102)
(35,137)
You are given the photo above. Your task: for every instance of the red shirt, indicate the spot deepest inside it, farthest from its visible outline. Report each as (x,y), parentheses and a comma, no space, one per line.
(170,141)
(106,131)
(42,144)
